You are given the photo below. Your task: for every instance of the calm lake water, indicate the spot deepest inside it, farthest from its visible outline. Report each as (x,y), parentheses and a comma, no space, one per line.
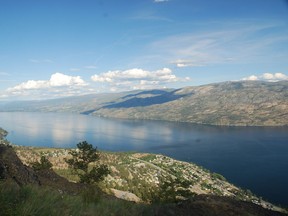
(255,158)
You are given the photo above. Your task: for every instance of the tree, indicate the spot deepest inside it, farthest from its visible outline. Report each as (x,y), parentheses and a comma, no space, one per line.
(172,190)
(82,157)
(44,164)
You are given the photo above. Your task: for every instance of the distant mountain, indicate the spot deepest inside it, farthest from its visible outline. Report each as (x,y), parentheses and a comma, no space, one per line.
(243,103)
(228,103)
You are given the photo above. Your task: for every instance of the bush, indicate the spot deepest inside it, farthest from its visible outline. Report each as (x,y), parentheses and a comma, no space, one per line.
(218,176)
(171,190)
(44,164)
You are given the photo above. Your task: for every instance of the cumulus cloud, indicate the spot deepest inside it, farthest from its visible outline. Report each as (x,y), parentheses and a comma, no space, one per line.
(251,78)
(164,75)
(58,85)
(138,78)
(56,80)
(268,77)
(59,79)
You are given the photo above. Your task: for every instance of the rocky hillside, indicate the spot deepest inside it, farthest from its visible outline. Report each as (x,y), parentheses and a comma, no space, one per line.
(229,103)
(244,103)
(150,178)
(187,189)
(3,134)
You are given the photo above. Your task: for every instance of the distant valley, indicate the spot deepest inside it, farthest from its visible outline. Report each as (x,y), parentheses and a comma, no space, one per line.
(243,103)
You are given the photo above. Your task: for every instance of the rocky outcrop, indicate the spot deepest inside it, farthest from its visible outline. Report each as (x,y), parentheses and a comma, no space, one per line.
(125,195)
(3,133)
(11,168)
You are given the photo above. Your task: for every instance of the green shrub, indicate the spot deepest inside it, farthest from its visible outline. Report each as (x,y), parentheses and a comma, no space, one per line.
(218,176)
(44,164)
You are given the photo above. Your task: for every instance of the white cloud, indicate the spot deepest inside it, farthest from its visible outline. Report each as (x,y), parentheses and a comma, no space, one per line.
(268,77)
(186,63)
(164,75)
(59,79)
(138,78)
(274,77)
(56,80)
(233,43)
(30,84)
(160,1)
(59,85)
(99,78)
(251,78)
(281,76)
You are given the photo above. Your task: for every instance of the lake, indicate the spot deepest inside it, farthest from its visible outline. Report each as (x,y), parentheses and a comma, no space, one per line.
(255,158)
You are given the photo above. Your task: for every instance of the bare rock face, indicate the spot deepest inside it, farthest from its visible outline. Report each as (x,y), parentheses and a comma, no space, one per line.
(125,195)
(12,168)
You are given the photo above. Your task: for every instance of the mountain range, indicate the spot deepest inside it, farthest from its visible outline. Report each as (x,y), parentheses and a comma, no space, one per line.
(239,103)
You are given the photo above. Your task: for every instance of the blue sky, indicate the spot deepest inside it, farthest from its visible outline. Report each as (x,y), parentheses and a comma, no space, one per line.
(56,48)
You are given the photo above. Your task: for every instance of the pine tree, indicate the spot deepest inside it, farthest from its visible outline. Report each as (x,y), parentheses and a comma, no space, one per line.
(82,157)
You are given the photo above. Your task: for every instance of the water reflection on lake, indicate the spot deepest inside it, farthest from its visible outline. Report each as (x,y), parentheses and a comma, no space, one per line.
(251,157)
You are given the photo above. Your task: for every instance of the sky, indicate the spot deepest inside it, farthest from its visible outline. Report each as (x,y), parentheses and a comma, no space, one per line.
(59,48)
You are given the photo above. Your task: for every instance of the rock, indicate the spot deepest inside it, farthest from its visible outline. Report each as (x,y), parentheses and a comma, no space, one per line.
(3,133)
(125,195)
(13,169)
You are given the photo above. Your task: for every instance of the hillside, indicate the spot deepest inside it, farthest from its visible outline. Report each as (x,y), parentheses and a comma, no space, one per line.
(229,103)
(244,103)
(156,184)
(146,178)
